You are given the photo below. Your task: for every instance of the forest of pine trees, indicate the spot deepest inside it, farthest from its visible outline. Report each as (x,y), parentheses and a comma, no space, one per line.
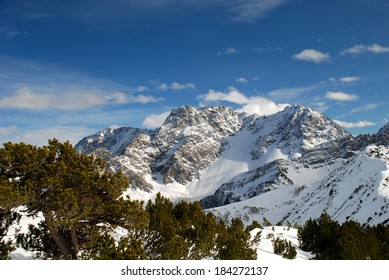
(82,205)
(329,240)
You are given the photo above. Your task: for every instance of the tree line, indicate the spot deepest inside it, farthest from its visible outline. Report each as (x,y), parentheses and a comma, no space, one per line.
(82,206)
(327,239)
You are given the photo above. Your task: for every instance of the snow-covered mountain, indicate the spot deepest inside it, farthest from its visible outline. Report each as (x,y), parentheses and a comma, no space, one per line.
(288,166)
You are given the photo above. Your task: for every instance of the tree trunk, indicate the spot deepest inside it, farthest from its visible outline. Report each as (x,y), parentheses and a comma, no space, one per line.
(58,237)
(76,247)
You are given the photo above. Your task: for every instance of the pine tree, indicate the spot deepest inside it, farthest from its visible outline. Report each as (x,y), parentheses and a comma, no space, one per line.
(352,242)
(307,235)
(254,224)
(382,234)
(284,248)
(164,237)
(196,227)
(234,243)
(77,197)
(327,238)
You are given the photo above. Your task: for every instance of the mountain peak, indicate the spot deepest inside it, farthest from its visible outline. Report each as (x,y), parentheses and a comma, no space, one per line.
(296,129)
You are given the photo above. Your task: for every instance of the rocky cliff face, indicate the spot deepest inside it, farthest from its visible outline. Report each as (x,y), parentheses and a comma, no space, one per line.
(297,159)
(191,139)
(188,141)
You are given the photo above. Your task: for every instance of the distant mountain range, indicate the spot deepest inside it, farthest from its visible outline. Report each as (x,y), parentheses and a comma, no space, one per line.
(289,166)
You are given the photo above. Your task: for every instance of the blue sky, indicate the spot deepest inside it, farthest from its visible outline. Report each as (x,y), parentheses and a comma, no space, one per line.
(72,68)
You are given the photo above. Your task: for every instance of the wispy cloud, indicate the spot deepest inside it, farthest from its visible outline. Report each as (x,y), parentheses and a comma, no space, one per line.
(229,51)
(341,96)
(360,49)
(104,11)
(361,109)
(233,96)
(11,32)
(359,124)
(174,86)
(267,49)
(242,80)
(311,55)
(155,120)
(345,80)
(365,108)
(349,79)
(252,105)
(251,10)
(178,86)
(74,99)
(123,98)
(26,98)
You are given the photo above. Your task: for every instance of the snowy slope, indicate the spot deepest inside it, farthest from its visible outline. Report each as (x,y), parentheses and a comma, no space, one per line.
(265,249)
(355,189)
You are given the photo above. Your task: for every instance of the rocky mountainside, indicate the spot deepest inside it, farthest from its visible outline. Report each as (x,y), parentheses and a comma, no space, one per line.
(289,166)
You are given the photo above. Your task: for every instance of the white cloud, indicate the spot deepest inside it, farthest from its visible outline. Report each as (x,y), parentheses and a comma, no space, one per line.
(375,48)
(349,79)
(174,86)
(359,124)
(252,105)
(141,89)
(359,49)
(163,87)
(341,96)
(143,99)
(241,80)
(155,120)
(229,51)
(74,99)
(233,96)
(354,50)
(178,86)
(122,98)
(263,106)
(311,55)
(26,98)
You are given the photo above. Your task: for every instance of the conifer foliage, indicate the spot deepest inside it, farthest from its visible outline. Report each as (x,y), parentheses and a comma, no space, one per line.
(284,248)
(73,193)
(327,239)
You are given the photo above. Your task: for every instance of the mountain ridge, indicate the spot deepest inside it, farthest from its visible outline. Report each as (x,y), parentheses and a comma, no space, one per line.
(223,158)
